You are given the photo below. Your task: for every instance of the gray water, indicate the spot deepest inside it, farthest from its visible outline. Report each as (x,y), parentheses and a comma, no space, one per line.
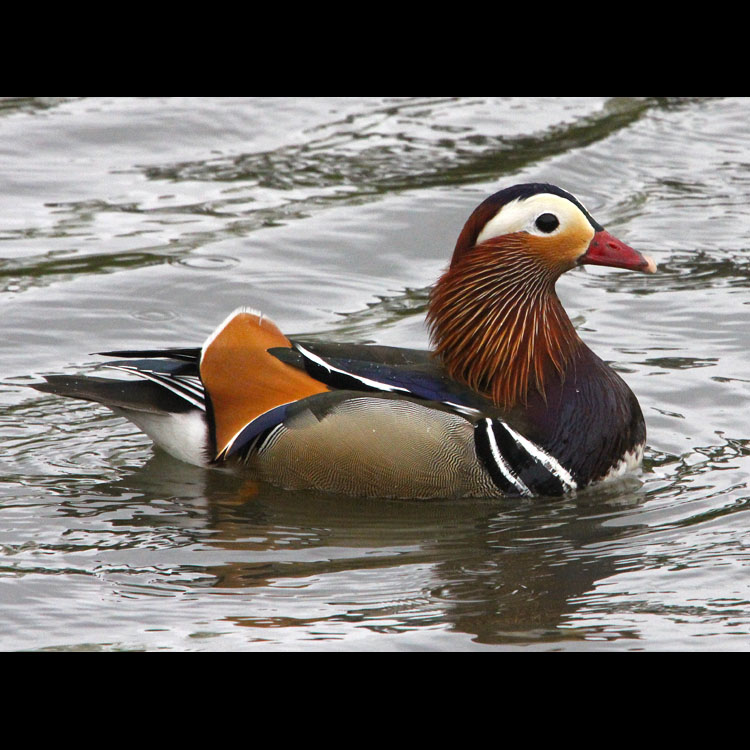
(144,222)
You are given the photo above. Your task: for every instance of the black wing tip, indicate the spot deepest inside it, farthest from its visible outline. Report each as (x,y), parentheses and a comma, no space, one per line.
(46,387)
(55,381)
(186,354)
(72,386)
(134,395)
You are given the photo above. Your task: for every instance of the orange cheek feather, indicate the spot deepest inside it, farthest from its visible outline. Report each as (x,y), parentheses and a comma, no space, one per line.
(243,380)
(562,250)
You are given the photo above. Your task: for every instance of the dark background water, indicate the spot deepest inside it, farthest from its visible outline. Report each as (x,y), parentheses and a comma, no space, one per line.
(145,221)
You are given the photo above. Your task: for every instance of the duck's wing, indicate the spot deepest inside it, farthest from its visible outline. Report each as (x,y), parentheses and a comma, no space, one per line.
(409,372)
(252,389)
(406,395)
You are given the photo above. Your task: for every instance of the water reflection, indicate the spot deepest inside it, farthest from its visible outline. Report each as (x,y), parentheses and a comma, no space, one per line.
(497,571)
(500,572)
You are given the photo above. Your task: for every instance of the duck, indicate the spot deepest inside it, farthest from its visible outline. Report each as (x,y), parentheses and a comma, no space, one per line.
(508,401)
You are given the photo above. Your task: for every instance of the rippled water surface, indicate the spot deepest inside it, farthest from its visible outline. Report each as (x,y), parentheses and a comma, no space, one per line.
(146,221)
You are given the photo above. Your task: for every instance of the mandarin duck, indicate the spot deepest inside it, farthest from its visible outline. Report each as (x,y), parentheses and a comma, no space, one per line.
(510,401)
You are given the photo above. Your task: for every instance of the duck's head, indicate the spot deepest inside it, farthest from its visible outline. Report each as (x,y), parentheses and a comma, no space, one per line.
(494,315)
(550,225)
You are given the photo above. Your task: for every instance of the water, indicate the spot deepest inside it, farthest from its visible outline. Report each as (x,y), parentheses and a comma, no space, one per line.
(145,221)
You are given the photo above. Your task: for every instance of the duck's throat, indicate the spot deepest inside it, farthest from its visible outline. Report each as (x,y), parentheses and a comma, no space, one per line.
(501,329)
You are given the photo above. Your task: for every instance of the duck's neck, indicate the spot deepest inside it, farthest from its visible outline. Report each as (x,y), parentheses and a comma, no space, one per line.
(498,325)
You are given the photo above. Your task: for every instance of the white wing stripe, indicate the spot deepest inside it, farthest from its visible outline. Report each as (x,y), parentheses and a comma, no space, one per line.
(365,381)
(183,390)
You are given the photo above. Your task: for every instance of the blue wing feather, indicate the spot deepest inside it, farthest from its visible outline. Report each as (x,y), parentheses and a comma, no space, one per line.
(422,378)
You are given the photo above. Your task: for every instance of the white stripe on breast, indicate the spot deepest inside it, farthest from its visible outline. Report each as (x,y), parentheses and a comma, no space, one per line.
(502,464)
(545,459)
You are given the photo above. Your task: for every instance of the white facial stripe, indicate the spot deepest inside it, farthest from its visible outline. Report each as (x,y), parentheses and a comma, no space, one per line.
(520,215)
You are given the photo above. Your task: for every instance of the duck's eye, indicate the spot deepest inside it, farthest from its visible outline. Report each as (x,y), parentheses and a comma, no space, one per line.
(547,223)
